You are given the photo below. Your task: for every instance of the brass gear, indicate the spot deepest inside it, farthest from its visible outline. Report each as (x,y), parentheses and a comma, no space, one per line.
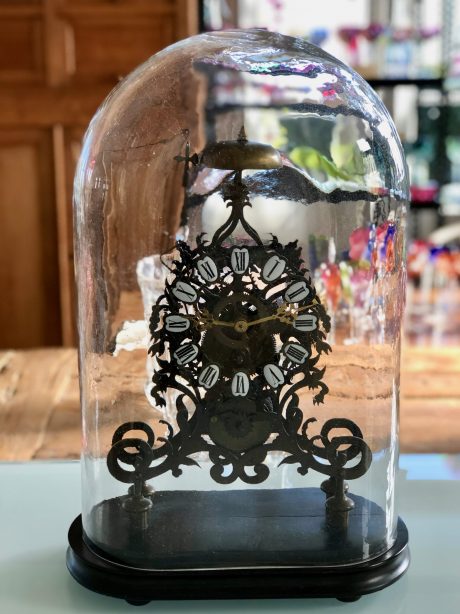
(239,348)
(239,426)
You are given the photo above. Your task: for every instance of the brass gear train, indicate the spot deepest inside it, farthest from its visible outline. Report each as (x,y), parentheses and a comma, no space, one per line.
(239,351)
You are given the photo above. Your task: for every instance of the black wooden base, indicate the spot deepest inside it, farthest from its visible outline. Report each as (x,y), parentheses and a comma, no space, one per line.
(92,568)
(190,529)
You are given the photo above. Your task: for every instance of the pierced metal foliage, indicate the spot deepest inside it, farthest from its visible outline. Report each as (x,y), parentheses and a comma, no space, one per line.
(238,332)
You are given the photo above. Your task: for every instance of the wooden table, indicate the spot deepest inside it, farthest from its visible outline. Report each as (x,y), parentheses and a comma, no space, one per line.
(40,413)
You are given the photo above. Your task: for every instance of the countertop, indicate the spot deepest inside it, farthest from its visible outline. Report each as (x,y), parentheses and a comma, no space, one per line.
(39,500)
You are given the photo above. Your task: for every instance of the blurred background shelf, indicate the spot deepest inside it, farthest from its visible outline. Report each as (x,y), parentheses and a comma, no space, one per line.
(58,61)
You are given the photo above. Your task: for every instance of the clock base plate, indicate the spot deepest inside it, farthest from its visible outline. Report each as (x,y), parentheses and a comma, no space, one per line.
(93,568)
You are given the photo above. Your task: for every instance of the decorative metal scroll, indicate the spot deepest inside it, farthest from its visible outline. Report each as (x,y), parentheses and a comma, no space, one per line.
(157,455)
(237,334)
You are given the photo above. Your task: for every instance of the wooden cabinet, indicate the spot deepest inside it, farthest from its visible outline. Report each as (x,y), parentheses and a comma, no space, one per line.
(58,61)
(29,309)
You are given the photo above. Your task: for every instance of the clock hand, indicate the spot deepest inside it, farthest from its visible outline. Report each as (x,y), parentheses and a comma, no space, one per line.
(280,312)
(315,302)
(284,313)
(201,321)
(204,321)
(222,323)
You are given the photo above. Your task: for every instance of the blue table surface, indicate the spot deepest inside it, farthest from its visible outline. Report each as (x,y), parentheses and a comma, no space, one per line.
(38,501)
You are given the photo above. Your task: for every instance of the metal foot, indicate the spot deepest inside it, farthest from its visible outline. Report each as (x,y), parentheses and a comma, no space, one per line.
(138,601)
(338,501)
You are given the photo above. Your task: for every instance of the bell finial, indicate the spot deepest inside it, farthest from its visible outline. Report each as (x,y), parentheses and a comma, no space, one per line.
(240,154)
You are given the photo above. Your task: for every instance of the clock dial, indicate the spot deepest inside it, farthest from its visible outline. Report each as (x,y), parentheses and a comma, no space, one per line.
(184,292)
(207,269)
(230,338)
(295,353)
(239,260)
(209,376)
(273,269)
(186,353)
(273,375)
(242,334)
(305,322)
(297,292)
(240,384)
(176,323)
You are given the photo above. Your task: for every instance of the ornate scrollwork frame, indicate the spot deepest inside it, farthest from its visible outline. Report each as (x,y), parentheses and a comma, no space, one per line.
(269,420)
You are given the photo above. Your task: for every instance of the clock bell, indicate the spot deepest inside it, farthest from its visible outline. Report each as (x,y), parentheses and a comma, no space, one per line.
(239,213)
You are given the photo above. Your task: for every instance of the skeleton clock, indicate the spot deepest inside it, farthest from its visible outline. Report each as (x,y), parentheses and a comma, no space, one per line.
(256,453)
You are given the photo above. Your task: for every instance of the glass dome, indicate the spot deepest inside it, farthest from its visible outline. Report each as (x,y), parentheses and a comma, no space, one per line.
(240,216)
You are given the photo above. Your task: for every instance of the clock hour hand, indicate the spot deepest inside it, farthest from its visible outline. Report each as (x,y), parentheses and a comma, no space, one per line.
(204,321)
(200,321)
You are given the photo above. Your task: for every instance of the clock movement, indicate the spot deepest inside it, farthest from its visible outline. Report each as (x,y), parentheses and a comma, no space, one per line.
(239,387)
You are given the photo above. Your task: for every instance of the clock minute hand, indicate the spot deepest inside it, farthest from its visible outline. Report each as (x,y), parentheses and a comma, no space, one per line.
(222,323)
(279,315)
(284,313)
(266,319)
(306,306)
